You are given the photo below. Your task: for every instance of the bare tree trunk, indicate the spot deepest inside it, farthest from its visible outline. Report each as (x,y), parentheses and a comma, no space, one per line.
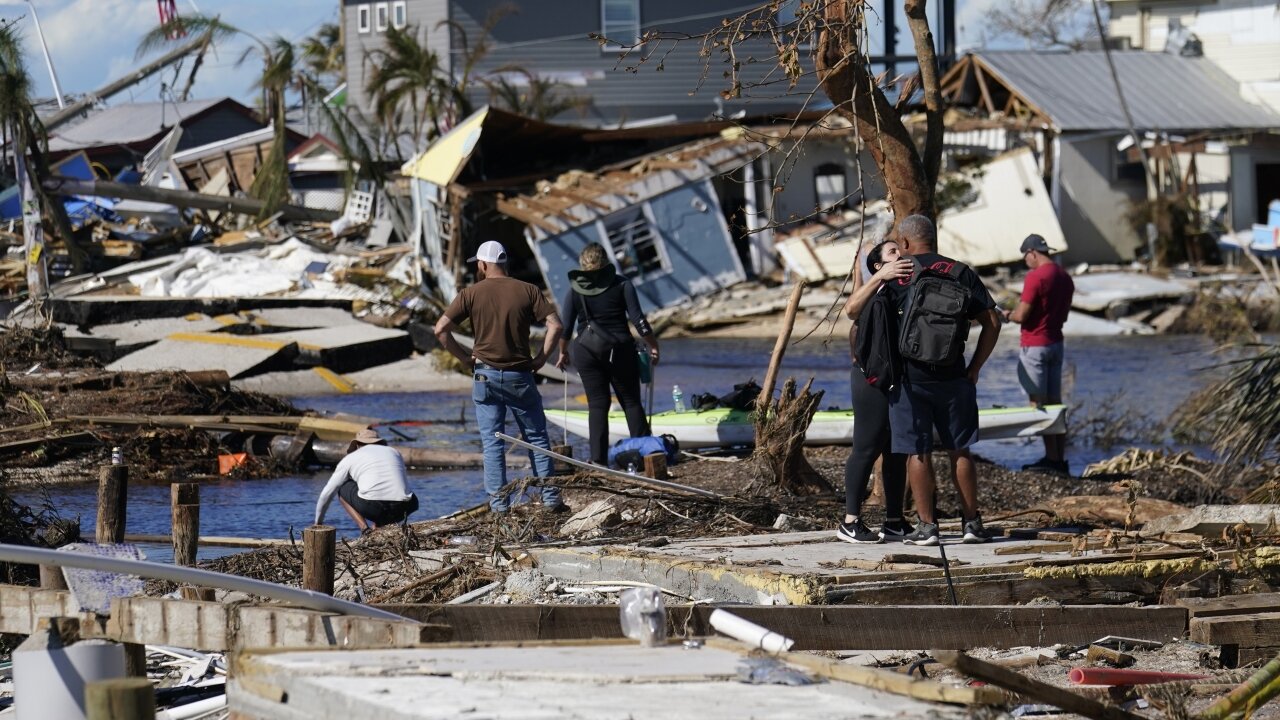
(918,21)
(847,80)
(780,435)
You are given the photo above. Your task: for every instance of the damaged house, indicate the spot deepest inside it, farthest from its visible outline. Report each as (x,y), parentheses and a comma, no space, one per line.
(546,190)
(1205,141)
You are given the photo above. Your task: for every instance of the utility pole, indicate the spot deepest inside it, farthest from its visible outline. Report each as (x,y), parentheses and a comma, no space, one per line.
(32,230)
(53,75)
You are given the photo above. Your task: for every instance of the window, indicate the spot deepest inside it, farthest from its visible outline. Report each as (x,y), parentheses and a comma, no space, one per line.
(399,14)
(1129,169)
(620,22)
(380,15)
(637,249)
(362,15)
(828,187)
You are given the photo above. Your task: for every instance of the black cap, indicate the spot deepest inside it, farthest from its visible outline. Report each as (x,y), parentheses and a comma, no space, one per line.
(1037,243)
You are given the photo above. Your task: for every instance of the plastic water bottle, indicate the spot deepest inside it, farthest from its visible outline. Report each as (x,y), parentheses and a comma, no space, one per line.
(117,455)
(677,399)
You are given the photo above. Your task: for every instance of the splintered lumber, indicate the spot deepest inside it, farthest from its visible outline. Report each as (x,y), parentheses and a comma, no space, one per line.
(618,474)
(885,680)
(1031,689)
(1253,630)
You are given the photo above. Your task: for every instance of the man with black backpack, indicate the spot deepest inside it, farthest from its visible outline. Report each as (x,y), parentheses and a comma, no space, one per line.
(936,305)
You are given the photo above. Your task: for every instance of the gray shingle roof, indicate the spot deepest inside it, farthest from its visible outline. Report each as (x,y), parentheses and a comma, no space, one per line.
(125,124)
(1163,91)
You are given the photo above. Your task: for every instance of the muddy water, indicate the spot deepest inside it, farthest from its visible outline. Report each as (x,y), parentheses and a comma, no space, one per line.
(1149,375)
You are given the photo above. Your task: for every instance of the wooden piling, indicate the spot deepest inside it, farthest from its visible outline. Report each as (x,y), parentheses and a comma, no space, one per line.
(318,555)
(120,699)
(51,578)
(113,490)
(135,660)
(185,500)
(559,467)
(655,466)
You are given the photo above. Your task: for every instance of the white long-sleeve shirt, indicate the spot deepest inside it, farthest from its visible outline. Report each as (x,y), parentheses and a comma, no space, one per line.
(378,472)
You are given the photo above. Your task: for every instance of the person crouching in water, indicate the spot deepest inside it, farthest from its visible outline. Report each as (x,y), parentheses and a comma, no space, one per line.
(597,308)
(871,437)
(370,483)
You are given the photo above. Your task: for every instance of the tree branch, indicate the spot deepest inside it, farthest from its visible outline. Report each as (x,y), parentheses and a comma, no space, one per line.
(918,20)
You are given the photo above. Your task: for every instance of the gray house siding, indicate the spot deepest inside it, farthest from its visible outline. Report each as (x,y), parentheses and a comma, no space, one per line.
(425,16)
(698,254)
(556,42)
(1092,203)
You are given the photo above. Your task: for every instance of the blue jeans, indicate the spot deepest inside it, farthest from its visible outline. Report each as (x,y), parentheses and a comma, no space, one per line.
(494,391)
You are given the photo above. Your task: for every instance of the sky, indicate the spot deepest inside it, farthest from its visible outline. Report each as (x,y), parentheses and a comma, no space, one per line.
(92,42)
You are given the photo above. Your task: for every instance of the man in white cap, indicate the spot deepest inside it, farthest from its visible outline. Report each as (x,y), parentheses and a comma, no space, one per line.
(501,310)
(370,483)
(1042,311)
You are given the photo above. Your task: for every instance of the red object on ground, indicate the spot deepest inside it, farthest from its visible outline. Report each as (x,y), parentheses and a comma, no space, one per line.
(227,463)
(1109,676)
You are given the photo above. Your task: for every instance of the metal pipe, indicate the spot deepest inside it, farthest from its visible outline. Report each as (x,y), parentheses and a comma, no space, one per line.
(193,576)
(1109,676)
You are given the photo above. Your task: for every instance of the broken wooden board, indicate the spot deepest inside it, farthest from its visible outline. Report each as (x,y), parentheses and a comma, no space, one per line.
(1109,509)
(838,627)
(1201,607)
(1252,630)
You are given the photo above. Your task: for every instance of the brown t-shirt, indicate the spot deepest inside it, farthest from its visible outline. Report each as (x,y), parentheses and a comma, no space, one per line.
(501,310)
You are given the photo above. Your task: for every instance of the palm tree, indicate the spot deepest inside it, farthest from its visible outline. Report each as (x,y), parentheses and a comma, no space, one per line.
(407,78)
(536,97)
(24,132)
(323,53)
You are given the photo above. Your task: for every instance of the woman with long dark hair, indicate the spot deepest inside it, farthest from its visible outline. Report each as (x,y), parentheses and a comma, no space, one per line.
(596,310)
(871,410)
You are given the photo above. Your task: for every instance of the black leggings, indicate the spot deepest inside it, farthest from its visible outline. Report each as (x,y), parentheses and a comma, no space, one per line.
(870,441)
(621,370)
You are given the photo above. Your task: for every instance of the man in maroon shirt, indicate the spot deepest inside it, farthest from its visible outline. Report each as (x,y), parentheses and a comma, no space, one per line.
(1043,309)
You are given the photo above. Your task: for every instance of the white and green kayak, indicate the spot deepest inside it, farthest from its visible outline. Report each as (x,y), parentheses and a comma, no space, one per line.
(723,427)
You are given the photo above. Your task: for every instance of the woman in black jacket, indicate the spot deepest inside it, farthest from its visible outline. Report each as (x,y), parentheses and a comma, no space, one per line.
(596,310)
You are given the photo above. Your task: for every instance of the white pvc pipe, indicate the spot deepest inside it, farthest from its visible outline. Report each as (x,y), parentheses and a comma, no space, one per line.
(749,632)
(207,578)
(193,710)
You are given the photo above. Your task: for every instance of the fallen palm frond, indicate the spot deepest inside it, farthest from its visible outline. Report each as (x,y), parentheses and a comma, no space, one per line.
(1240,414)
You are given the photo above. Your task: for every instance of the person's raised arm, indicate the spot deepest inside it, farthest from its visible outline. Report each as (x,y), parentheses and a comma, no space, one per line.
(895,270)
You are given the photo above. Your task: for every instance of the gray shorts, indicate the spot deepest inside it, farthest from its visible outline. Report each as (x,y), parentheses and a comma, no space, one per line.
(1040,372)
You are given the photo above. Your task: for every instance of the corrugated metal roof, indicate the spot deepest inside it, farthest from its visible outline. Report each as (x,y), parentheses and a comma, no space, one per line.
(125,124)
(1163,91)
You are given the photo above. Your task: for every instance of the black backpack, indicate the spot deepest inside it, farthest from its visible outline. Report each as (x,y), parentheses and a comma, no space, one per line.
(935,319)
(875,350)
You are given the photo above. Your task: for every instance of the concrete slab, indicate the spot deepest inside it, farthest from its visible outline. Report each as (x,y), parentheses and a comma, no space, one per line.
(348,348)
(90,310)
(413,374)
(807,568)
(282,319)
(135,334)
(588,681)
(1211,520)
(238,356)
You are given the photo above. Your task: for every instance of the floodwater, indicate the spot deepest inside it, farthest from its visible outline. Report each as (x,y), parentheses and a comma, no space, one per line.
(1147,375)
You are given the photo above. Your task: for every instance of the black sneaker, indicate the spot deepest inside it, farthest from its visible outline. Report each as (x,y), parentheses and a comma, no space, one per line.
(895,529)
(857,532)
(974,532)
(1048,467)
(924,534)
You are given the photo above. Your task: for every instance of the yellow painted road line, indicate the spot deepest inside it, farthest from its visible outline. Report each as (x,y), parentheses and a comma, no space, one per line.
(342,384)
(227,320)
(234,340)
